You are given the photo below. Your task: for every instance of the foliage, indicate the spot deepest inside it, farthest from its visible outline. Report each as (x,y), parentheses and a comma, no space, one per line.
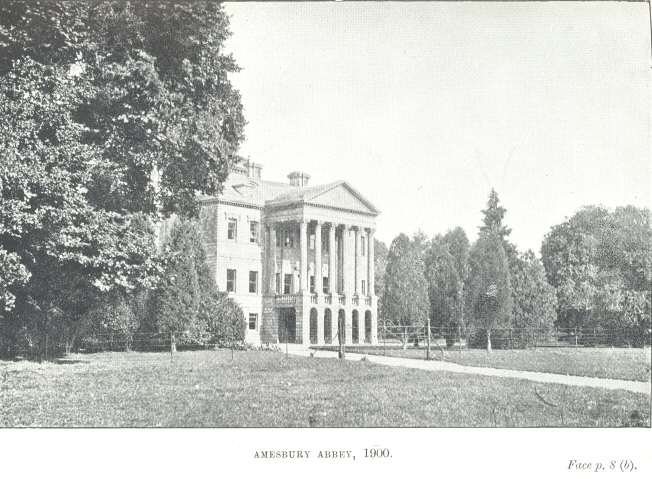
(380,264)
(489,292)
(444,288)
(600,263)
(111,110)
(535,301)
(492,221)
(174,304)
(223,320)
(405,297)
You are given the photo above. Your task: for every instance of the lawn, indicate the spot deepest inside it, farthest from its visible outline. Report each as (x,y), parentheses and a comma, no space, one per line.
(264,388)
(614,363)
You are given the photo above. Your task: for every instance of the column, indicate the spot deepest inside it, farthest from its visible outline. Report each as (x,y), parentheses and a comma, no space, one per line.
(345,261)
(318,275)
(370,263)
(303,237)
(357,262)
(332,258)
(271,261)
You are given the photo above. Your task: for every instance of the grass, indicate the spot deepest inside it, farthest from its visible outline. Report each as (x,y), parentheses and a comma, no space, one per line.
(262,389)
(614,363)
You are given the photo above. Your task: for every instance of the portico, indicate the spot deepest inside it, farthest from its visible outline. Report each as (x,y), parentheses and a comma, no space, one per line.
(323,269)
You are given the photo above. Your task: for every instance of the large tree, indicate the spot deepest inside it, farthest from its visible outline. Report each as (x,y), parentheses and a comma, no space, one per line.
(600,263)
(110,110)
(405,299)
(489,288)
(444,290)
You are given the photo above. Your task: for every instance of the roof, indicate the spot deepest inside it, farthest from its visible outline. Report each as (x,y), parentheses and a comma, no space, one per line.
(339,194)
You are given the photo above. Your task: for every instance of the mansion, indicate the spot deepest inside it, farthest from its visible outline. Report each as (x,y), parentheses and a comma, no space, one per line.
(297,258)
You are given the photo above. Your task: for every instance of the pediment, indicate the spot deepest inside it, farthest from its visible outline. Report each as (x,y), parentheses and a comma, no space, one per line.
(342,196)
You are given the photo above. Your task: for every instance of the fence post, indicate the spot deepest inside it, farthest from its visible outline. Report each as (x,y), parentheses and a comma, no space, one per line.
(428,338)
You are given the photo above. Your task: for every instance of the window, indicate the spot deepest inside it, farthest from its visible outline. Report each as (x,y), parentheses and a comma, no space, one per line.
(287,284)
(278,283)
(312,284)
(324,283)
(364,287)
(311,242)
(253,320)
(230,280)
(288,240)
(324,241)
(278,238)
(253,231)
(364,246)
(253,281)
(232,230)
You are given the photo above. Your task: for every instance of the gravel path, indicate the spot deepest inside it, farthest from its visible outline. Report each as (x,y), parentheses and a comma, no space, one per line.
(633,386)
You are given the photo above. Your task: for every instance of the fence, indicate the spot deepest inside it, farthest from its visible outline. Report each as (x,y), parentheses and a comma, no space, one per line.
(137,341)
(512,338)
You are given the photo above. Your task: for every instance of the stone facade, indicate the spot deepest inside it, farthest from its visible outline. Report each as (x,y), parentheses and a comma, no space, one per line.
(297,258)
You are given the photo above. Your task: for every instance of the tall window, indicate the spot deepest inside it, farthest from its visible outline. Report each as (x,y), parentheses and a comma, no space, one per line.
(230,280)
(232,229)
(324,283)
(312,284)
(253,320)
(253,231)
(253,281)
(287,284)
(278,283)
(288,239)
(364,287)
(311,242)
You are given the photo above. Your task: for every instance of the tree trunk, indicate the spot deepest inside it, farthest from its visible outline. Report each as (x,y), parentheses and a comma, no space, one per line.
(173,344)
(488,340)
(405,337)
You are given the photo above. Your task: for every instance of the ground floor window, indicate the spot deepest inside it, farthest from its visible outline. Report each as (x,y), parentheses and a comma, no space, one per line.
(253,320)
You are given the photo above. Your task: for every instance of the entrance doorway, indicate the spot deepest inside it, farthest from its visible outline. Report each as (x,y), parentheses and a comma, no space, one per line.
(313,326)
(287,325)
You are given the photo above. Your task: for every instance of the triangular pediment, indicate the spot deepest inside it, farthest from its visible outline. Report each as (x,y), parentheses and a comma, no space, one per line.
(342,196)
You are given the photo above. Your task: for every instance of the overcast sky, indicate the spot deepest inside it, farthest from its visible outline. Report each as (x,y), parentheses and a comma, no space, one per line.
(423,107)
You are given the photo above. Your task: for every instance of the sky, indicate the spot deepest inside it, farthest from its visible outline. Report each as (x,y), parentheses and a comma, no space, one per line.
(424,107)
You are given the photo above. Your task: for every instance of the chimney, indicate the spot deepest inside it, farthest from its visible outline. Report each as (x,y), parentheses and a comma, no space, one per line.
(299,178)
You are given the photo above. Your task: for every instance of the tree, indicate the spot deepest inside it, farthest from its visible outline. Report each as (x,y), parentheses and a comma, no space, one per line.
(458,246)
(569,254)
(110,111)
(156,97)
(489,289)
(175,304)
(405,299)
(380,263)
(535,300)
(223,319)
(444,289)
(600,264)
(493,217)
